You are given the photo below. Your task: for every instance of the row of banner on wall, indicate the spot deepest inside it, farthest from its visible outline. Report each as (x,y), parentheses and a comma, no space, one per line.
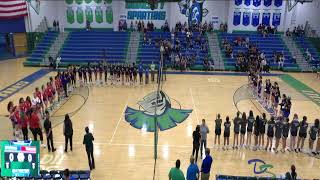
(254,18)
(257,3)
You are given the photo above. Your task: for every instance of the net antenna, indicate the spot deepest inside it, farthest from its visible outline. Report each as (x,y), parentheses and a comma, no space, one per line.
(293,3)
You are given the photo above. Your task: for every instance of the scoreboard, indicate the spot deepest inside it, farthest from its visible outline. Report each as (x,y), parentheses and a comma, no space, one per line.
(20,158)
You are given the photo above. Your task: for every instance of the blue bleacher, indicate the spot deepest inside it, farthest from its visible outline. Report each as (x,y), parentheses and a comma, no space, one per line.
(150,52)
(268,45)
(303,44)
(89,46)
(43,46)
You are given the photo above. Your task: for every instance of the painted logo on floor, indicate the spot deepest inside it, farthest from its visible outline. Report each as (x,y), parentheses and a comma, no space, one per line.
(262,168)
(167,116)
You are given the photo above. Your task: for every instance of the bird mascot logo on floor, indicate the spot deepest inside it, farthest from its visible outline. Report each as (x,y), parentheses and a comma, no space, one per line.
(150,111)
(193,9)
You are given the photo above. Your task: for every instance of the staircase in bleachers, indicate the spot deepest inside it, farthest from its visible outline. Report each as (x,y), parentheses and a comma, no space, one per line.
(37,56)
(215,51)
(301,61)
(268,45)
(150,52)
(304,44)
(91,46)
(133,47)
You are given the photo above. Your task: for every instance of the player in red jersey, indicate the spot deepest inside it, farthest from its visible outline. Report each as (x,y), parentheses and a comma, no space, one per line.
(38,94)
(44,96)
(49,94)
(57,84)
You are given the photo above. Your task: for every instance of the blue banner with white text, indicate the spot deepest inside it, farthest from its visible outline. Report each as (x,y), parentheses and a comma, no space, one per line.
(255,19)
(246,18)
(236,18)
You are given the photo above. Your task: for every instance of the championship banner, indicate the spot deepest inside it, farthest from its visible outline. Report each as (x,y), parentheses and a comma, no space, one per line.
(256,3)
(246,18)
(278,3)
(247,2)
(276,18)
(89,14)
(238,2)
(79,14)
(70,15)
(236,18)
(266,18)
(267,3)
(255,19)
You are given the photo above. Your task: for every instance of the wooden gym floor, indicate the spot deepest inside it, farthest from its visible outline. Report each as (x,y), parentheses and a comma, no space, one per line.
(124,152)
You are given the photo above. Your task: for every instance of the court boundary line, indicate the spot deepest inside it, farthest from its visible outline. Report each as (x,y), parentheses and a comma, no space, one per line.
(194,105)
(120,119)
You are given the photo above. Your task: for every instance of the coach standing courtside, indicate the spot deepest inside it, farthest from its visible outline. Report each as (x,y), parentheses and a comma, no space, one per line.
(48,129)
(88,142)
(206,166)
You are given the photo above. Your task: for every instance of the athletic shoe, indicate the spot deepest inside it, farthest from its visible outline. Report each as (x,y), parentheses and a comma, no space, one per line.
(43,146)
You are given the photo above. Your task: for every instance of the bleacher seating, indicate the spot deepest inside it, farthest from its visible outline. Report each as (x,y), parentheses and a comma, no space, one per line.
(42,47)
(268,45)
(89,46)
(303,44)
(150,52)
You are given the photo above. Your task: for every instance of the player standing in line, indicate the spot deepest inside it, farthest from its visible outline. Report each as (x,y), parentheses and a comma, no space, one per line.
(262,129)
(44,97)
(243,129)
(283,104)
(100,69)
(127,73)
(105,68)
(270,134)
(236,129)
(226,133)
(85,72)
(53,88)
(217,130)
(153,70)
(303,130)
(111,74)
(278,134)
(257,124)
(75,76)
(249,129)
(49,95)
(272,97)
(147,75)
(123,72)
(135,73)
(35,126)
(131,75)
(267,92)
(119,68)
(80,76)
(140,70)
(90,74)
(276,100)
(314,130)
(39,96)
(259,87)
(294,131)
(95,72)
(285,134)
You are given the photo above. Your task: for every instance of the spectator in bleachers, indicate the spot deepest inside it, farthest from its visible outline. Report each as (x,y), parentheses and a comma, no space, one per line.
(288,33)
(88,26)
(58,26)
(193,170)
(66,174)
(175,173)
(131,26)
(54,24)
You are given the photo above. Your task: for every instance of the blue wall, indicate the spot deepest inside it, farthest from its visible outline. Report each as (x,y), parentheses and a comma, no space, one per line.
(12,25)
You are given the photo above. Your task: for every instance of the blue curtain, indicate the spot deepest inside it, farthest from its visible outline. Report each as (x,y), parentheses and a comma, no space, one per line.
(256,3)
(267,3)
(266,19)
(278,3)
(246,18)
(276,18)
(255,19)
(237,2)
(236,18)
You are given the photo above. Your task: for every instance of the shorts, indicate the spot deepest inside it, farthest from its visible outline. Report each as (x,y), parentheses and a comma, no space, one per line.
(226,134)
(285,135)
(256,133)
(243,131)
(217,132)
(249,130)
(278,136)
(236,131)
(303,135)
(313,138)
(270,134)
(262,131)
(294,134)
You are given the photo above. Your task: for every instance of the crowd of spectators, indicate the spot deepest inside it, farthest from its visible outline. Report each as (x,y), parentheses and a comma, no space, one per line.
(296,32)
(266,30)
